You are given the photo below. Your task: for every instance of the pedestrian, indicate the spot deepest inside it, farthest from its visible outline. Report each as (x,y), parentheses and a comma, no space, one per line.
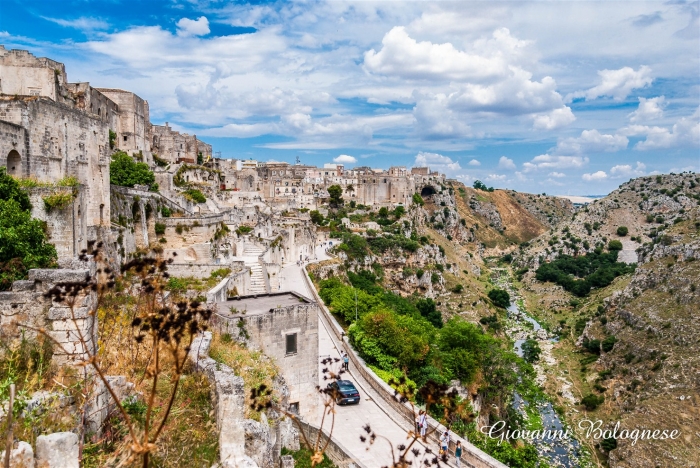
(444,443)
(458,453)
(423,422)
(346,361)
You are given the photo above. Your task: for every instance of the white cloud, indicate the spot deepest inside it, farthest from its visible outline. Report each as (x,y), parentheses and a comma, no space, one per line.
(436,162)
(618,84)
(547,161)
(648,109)
(591,141)
(595,177)
(82,23)
(187,27)
(555,119)
(474,162)
(345,159)
(495,178)
(626,170)
(685,132)
(506,163)
(404,57)
(557,174)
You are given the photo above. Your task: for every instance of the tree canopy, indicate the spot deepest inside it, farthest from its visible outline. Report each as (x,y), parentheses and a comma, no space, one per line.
(23,242)
(335,192)
(126,172)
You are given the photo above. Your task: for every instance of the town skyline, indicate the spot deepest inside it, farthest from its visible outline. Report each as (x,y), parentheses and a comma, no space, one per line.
(499,93)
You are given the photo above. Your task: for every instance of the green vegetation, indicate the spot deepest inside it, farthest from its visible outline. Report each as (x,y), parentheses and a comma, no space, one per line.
(126,172)
(591,402)
(417,199)
(302,459)
(316,217)
(500,298)
(531,351)
(335,192)
(243,229)
(622,231)
(595,270)
(479,185)
(160,229)
(58,201)
(614,245)
(112,139)
(194,195)
(23,244)
(160,162)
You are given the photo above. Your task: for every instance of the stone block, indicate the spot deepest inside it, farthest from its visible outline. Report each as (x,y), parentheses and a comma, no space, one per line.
(57,450)
(64,313)
(49,276)
(20,457)
(85,325)
(286,461)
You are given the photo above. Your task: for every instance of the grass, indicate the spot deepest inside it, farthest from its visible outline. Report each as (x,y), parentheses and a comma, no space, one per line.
(69,181)
(302,458)
(254,367)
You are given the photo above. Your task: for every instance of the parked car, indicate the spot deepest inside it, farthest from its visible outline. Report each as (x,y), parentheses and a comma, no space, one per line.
(346,392)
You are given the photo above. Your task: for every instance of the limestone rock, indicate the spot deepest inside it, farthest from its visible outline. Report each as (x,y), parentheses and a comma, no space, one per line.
(57,450)
(22,456)
(286,461)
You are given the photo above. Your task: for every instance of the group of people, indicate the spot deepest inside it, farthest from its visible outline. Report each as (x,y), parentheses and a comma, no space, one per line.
(422,426)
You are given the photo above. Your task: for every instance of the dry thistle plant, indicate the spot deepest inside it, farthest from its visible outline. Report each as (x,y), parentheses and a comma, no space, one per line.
(161,333)
(332,371)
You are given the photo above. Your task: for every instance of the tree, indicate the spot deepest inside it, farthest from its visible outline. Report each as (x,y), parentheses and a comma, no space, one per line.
(335,192)
(500,298)
(399,211)
(614,245)
(383,212)
(531,351)
(23,244)
(10,190)
(126,172)
(200,158)
(316,217)
(428,309)
(622,231)
(417,199)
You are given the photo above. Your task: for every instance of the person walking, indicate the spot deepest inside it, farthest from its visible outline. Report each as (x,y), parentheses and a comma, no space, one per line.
(346,361)
(444,443)
(458,454)
(423,423)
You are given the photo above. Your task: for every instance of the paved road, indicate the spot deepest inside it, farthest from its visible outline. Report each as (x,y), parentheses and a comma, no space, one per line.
(349,420)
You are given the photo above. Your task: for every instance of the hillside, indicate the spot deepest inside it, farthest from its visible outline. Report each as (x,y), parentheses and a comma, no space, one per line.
(631,347)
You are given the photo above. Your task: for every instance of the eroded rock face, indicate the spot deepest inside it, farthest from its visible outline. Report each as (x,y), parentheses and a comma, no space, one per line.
(57,450)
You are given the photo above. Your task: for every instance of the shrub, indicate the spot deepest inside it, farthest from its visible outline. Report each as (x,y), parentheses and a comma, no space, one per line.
(126,172)
(242,229)
(195,195)
(417,199)
(499,298)
(58,201)
(165,212)
(435,278)
(591,402)
(419,273)
(160,229)
(458,289)
(531,351)
(609,343)
(614,245)
(622,231)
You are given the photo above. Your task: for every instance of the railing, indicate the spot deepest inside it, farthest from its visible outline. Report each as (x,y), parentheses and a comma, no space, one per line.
(472,457)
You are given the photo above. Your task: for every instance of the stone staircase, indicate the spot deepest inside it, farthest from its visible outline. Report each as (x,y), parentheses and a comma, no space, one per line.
(257,280)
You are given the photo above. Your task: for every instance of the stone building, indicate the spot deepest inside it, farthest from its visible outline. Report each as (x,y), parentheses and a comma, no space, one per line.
(133,126)
(285,327)
(176,147)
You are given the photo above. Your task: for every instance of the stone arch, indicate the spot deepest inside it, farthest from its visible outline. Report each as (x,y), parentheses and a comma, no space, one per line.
(14,163)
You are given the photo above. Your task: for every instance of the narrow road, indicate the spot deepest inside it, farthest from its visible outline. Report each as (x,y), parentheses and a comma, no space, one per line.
(350,419)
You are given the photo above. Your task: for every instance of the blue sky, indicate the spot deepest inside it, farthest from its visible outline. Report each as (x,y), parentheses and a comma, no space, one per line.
(560,97)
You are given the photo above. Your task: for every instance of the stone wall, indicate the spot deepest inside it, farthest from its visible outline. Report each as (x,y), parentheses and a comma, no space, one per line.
(242,442)
(67,226)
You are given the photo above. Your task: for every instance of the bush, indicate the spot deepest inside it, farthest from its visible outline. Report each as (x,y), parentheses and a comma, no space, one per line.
(428,309)
(126,172)
(458,289)
(609,343)
(195,195)
(435,278)
(165,212)
(243,229)
(622,231)
(614,245)
(160,229)
(419,273)
(58,201)
(591,402)
(316,217)
(417,199)
(531,351)
(499,298)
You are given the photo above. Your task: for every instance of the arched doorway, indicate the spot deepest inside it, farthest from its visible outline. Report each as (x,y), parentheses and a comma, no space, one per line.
(14,163)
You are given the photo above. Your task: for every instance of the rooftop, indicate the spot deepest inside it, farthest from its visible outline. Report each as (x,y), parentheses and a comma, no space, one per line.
(254,305)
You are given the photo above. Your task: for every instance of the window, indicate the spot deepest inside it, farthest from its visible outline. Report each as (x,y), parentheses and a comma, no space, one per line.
(125,137)
(294,407)
(291,343)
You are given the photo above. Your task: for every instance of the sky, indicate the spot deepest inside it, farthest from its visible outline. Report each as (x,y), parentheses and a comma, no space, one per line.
(559,97)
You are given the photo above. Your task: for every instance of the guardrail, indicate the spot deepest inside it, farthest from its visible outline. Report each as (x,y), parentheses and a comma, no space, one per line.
(472,457)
